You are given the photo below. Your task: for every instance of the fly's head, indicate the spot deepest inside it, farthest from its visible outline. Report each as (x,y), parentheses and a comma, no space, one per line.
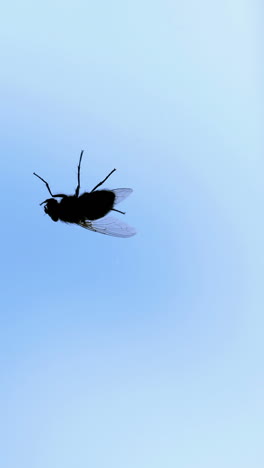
(51,208)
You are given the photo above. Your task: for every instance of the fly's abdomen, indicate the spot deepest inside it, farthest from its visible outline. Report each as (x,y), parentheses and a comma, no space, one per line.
(96,205)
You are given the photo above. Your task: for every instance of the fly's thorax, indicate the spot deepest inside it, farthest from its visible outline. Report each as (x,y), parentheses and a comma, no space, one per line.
(69,209)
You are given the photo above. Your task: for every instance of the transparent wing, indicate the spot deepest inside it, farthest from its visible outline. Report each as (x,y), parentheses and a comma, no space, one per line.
(121,194)
(109,226)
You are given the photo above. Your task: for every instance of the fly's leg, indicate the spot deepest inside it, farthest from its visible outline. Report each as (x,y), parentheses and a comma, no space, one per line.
(79,170)
(118,211)
(100,183)
(48,187)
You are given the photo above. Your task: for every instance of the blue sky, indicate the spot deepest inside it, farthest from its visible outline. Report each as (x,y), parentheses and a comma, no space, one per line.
(141,352)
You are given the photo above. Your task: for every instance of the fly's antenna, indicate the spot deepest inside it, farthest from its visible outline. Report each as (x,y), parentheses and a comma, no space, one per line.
(79,178)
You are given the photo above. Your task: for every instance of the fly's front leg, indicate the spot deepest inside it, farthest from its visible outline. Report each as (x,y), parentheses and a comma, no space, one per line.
(47,185)
(58,195)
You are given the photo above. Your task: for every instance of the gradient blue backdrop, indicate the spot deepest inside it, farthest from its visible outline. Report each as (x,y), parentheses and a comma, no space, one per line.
(144,352)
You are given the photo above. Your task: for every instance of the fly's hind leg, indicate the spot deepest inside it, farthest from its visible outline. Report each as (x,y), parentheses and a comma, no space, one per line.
(118,211)
(101,183)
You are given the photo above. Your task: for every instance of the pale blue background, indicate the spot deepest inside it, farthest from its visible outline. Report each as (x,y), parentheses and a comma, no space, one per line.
(144,352)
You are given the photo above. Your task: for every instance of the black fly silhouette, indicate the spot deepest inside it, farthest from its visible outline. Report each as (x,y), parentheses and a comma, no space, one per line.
(89,210)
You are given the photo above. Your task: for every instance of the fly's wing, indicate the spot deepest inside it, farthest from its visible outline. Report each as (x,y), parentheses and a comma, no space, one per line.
(121,194)
(109,226)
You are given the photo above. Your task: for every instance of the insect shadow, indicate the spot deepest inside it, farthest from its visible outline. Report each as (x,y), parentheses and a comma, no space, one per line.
(89,210)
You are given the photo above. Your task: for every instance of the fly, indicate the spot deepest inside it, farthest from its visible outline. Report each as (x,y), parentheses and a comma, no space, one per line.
(89,210)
